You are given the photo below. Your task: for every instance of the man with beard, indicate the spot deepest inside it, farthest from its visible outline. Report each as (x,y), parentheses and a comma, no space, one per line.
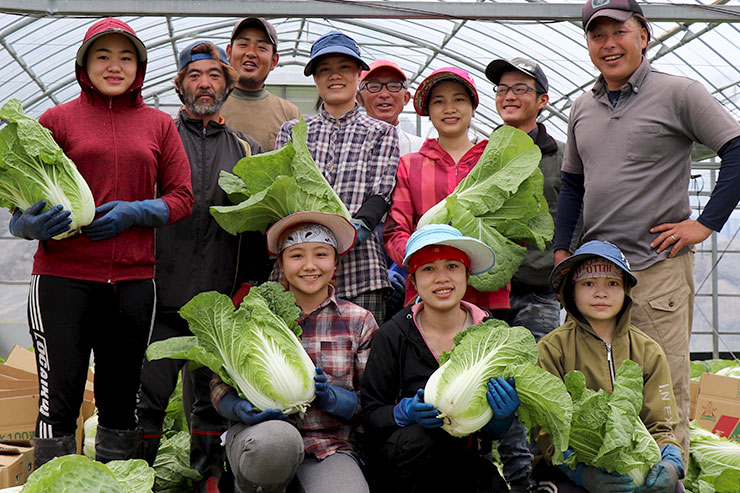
(195,256)
(254,111)
(250,108)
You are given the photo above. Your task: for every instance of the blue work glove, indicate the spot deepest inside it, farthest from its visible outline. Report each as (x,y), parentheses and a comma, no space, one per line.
(502,397)
(415,410)
(31,225)
(334,400)
(363,233)
(665,474)
(235,408)
(120,215)
(397,278)
(597,480)
(504,402)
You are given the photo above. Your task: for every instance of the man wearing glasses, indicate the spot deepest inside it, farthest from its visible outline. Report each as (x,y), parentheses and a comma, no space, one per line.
(384,93)
(521,94)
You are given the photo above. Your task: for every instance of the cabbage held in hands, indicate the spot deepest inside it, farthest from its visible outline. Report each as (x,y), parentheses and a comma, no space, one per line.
(606,430)
(493,349)
(500,202)
(254,348)
(33,168)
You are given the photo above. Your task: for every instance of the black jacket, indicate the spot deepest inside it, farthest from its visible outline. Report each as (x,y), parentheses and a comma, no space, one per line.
(400,363)
(196,254)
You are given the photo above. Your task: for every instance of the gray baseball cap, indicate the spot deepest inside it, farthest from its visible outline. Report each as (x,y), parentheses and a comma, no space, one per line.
(619,10)
(260,23)
(499,67)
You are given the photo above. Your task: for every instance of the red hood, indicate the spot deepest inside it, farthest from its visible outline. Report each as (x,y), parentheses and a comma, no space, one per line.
(133,95)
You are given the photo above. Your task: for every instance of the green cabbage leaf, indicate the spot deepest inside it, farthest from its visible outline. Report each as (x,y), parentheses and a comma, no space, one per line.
(33,168)
(267,187)
(256,348)
(606,429)
(501,203)
(493,349)
(714,462)
(172,465)
(78,473)
(713,366)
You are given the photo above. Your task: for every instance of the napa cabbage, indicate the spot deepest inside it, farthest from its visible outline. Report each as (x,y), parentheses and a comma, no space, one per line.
(714,462)
(493,349)
(501,203)
(606,429)
(33,168)
(254,348)
(78,473)
(267,187)
(712,366)
(172,464)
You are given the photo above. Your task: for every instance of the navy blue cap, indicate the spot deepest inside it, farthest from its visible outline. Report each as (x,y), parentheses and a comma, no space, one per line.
(594,248)
(334,43)
(187,55)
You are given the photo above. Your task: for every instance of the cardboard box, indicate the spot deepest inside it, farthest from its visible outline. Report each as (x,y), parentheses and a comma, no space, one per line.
(718,405)
(19,398)
(16,464)
(694,395)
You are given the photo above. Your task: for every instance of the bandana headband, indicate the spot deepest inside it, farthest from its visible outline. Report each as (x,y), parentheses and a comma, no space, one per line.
(309,232)
(597,267)
(431,253)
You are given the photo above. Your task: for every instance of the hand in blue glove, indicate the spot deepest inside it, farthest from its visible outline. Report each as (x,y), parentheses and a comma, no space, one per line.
(504,401)
(31,225)
(363,233)
(597,480)
(662,478)
(120,215)
(334,400)
(398,282)
(235,408)
(502,397)
(415,410)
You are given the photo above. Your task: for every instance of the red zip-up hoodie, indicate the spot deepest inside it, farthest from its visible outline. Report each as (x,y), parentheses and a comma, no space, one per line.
(127,151)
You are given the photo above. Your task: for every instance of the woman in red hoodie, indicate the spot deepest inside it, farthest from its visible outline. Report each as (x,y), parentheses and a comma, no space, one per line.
(95,291)
(449,98)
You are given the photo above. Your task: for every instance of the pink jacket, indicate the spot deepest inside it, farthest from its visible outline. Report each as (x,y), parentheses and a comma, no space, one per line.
(422,180)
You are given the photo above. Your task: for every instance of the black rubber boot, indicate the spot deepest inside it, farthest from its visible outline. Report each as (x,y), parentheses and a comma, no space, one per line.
(150,436)
(45,449)
(115,444)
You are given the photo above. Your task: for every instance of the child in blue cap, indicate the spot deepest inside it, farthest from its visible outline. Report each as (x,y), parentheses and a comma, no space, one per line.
(358,156)
(594,286)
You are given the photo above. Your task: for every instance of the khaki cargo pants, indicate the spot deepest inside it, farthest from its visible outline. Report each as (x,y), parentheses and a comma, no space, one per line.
(663,308)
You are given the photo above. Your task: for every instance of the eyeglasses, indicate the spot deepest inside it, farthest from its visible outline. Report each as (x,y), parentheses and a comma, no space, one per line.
(518,89)
(392,86)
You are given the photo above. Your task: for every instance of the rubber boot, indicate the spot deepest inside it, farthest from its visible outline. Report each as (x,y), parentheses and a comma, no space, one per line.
(148,446)
(45,449)
(150,436)
(113,444)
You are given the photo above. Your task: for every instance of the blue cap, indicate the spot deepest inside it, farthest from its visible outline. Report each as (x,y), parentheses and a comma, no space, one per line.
(334,43)
(481,256)
(594,248)
(187,56)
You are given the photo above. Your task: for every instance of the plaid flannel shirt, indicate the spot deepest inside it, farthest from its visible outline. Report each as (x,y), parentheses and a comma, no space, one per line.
(337,337)
(358,156)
